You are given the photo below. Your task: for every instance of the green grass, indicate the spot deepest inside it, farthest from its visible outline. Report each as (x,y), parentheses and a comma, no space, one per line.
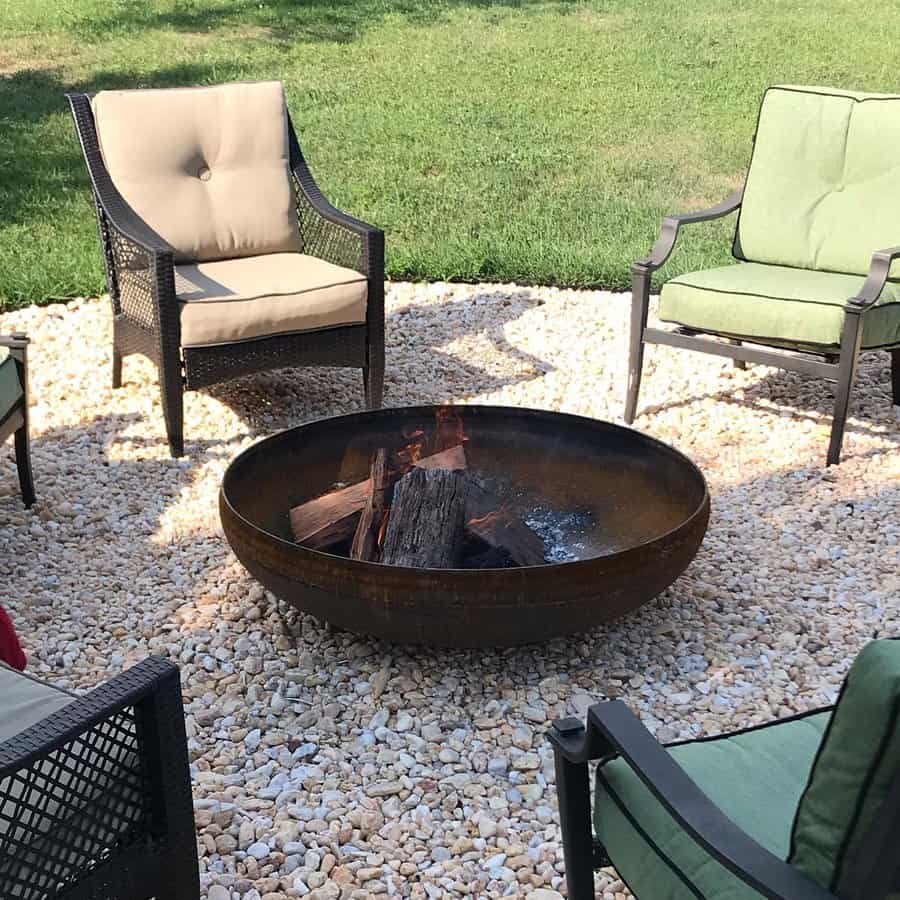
(514,141)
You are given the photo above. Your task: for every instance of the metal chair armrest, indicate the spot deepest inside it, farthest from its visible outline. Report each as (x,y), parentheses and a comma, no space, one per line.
(671,225)
(18,340)
(879,269)
(613,729)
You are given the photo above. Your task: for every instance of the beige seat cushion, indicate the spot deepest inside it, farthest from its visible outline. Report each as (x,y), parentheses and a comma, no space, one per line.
(206,168)
(239,299)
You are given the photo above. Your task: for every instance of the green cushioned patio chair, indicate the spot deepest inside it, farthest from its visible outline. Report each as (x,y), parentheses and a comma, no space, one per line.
(803,808)
(820,204)
(14,406)
(95,792)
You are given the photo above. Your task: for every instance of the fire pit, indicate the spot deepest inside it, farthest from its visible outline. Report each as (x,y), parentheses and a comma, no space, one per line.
(615,516)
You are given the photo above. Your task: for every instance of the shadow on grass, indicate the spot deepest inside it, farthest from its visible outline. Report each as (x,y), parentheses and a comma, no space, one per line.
(38,166)
(311,21)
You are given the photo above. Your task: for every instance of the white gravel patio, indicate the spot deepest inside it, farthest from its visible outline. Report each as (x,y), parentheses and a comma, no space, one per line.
(330,765)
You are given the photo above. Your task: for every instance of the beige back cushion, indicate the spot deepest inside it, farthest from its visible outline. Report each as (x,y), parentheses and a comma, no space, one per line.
(206,168)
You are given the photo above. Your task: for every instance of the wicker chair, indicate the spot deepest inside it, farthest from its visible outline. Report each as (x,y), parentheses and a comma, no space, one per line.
(222,256)
(95,795)
(14,406)
(815,240)
(802,808)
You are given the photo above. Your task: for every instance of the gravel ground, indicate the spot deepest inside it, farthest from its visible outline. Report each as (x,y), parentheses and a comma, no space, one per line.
(328,765)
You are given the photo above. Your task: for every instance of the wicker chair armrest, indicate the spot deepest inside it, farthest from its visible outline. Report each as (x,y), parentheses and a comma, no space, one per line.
(879,270)
(332,227)
(613,729)
(671,225)
(85,712)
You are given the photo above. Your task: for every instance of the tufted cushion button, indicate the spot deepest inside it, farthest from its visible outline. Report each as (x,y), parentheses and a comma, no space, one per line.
(203,173)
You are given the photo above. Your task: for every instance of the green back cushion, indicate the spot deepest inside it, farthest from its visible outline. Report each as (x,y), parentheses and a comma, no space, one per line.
(823,190)
(856,764)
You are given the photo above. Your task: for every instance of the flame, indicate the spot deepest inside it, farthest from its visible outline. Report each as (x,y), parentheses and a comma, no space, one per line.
(382,528)
(411,453)
(449,430)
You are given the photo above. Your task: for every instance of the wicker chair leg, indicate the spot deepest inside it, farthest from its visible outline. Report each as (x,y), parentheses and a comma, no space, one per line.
(373,379)
(161,719)
(640,302)
(895,376)
(116,369)
(23,464)
(850,341)
(173,410)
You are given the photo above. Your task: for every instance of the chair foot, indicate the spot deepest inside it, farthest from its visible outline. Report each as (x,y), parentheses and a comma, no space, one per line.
(640,301)
(173,410)
(737,363)
(23,465)
(116,369)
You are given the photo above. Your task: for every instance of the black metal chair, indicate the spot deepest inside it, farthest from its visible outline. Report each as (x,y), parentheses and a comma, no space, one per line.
(803,808)
(95,793)
(14,406)
(222,255)
(819,206)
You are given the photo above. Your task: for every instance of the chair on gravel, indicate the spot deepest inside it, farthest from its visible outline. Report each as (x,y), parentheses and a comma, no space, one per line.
(222,256)
(95,791)
(803,808)
(817,232)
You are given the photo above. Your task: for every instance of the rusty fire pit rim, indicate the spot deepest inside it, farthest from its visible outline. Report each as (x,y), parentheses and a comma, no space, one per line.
(702,508)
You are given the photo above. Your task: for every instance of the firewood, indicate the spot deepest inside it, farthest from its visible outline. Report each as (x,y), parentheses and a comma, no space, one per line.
(334,516)
(509,534)
(365,539)
(330,518)
(425,526)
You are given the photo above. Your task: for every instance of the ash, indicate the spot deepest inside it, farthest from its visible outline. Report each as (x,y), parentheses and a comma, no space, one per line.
(561,532)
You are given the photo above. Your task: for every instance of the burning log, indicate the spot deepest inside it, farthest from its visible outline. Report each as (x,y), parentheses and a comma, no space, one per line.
(333,517)
(365,539)
(508,537)
(427,519)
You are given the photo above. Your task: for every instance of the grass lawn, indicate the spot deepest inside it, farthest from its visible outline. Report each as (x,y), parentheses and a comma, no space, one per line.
(508,141)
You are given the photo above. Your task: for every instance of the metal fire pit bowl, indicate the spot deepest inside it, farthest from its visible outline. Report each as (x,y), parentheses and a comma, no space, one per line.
(642,509)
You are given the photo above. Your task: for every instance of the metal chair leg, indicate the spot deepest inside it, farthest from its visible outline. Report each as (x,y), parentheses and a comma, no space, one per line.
(23,465)
(850,342)
(895,376)
(737,363)
(574,795)
(640,302)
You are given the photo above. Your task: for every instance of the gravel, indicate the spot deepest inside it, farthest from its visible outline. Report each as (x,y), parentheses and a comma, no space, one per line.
(328,765)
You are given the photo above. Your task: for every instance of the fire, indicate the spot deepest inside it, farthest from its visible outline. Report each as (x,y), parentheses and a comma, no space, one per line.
(449,431)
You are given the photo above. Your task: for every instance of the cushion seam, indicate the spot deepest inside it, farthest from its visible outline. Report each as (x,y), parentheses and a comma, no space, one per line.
(792,850)
(321,287)
(646,837)
(751,728)
(710,290)
(863,794)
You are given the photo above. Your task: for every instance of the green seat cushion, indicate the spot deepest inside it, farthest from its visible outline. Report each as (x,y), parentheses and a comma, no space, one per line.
(755,777)
(854,770)
(10,386)
(778,305)
(823,190)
